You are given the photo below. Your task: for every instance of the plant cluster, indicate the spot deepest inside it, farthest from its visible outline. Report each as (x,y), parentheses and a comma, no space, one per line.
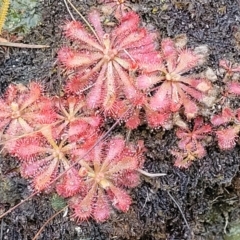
(121,72)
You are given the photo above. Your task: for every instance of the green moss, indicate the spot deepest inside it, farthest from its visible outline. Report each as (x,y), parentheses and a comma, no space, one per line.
(57,202)
(22,16)
(234,231)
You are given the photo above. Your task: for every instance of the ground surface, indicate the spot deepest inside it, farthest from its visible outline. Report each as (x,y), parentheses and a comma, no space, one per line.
(207,193)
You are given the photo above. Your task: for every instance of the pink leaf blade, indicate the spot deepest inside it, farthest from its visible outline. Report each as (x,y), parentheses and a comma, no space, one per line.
(42,181)
(94,19)
(75,31)
(29,169)
(73,59)
(169,53)
(186,61)
(160,99)
(226,116)
(121,200)
(101,211)
(227,138)
(233,87)
(156,119)
(129,23)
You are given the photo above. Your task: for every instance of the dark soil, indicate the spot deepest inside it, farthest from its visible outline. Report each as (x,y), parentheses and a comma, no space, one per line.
(207,192)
